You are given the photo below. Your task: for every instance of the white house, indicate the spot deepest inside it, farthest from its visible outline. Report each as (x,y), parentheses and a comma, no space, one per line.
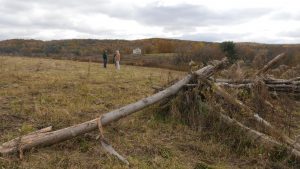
(137,51)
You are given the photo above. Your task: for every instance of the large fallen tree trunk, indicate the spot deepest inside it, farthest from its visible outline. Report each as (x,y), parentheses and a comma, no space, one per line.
(49,138)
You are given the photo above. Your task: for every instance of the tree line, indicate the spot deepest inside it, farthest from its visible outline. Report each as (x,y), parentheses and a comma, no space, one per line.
(184,51)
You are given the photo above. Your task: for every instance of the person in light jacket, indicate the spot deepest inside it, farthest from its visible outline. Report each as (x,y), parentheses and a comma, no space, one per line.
(117,59)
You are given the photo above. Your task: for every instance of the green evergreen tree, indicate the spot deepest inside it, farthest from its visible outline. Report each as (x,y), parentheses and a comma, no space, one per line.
(228,47)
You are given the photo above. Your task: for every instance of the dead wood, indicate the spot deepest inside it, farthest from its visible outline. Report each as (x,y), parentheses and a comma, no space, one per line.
(191,85)
(257,136)
(290,86)
(229,98)
(270,64)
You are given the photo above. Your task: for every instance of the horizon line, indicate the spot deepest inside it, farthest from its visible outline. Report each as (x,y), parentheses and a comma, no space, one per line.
(116,39)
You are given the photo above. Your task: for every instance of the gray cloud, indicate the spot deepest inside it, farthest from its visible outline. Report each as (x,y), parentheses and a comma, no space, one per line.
(185,16)
(30,18)
(22,18)
(291,34)
(190,15)
(212,37)
(286,16)
(171,17)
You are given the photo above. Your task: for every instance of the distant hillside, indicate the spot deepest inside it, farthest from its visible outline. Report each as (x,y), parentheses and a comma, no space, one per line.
(84,49)
(88,47)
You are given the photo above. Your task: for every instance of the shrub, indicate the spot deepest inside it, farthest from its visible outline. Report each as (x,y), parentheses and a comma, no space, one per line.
(229,49)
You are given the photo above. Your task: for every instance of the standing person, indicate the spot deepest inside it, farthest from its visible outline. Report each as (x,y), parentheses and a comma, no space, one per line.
(117,59)
(114,59)
(104,58)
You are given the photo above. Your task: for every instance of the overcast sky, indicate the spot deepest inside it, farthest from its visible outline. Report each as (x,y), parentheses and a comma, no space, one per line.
(265,21)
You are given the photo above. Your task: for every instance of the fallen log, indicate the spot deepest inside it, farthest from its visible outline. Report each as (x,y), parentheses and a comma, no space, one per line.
(258,137)
(230,99)
(253,134)
(294,81)
(157,88)
(284,86)
(237,86)
(49,138)
(281,86)
(230,81)
(271,87)
(191,85)
(270,64)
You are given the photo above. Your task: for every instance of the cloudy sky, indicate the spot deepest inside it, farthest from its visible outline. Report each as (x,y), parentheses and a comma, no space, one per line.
(265,21)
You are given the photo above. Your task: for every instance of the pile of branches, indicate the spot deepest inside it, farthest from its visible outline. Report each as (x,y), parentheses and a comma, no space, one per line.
(289,87)
(191,105)
(281,86)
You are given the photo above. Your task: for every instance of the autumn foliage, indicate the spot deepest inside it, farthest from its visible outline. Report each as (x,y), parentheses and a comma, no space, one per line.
(253,54)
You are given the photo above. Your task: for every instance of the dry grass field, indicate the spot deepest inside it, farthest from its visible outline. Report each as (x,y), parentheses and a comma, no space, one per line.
(36,93)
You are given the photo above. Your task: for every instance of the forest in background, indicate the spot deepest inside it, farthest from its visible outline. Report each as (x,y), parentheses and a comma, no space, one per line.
(182,51)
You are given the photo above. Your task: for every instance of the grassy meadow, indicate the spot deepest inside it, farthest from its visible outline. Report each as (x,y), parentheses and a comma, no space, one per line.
(36,93)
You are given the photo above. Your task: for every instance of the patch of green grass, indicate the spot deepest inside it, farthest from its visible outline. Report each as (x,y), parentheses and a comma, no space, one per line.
(26,128)
(202,165)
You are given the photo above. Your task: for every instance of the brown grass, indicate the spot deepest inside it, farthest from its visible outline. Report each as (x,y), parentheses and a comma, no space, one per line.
(36,93)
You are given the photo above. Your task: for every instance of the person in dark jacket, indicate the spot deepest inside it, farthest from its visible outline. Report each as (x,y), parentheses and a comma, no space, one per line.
(105,58)
(114,59)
